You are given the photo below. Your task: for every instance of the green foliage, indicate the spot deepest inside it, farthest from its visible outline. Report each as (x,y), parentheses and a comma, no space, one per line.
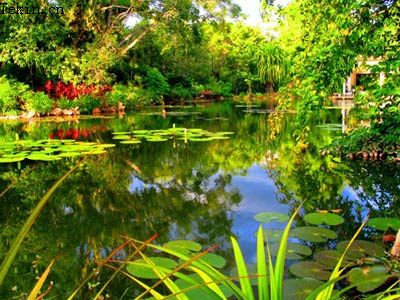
(38,102)
(87,103)
(11,93)
(156,84)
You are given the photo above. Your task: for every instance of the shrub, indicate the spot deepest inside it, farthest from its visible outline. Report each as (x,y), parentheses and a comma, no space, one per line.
(67,104)
(181,93)
(87,103)
(10,93)
(38,102)
(220,88)
(156,84)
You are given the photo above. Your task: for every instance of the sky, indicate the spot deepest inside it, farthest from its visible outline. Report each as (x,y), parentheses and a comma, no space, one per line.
(252,9)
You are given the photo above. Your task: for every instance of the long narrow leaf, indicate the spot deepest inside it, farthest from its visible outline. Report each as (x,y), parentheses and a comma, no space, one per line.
(39,284)
(244,280)
(261,266)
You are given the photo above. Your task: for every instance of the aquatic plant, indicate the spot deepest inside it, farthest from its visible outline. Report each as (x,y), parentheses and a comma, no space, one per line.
(47,150)
(162,135)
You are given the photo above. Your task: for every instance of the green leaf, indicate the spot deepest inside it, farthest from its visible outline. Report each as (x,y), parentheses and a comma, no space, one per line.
(318,218)
(368,278)
(140,268)
(384,223)
(313,234)
(267,217)
(294,251)
(360,249)
(214,260)
(299,289)
(183,246)
(311,269)
(329,258)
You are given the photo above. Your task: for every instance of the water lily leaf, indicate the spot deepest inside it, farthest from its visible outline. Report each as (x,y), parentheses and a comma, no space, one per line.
(121,137)
(299,289)
(131,142)
(214,260)
(313,234)
(251,270)
(329,258)
(361,248)
(374,275)
(319,218)
(311,269)
(140,131)
(142,271)
(121,133)
(384,223)
(70,154)
(185,245)
(294,251)
(4,160)
(200,139)
(273,235)
(201,292)
(107,145)
(267,217)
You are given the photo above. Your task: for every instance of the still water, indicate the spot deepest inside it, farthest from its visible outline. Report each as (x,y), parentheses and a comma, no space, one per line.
(202,191)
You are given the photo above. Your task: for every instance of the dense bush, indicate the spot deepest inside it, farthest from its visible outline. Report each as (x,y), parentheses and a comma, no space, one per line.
(11,92)
(87,103)
(220,88)
(180,92)
(38,102)
(156,84)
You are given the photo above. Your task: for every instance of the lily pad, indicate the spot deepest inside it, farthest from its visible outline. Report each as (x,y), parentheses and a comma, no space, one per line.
(294,251)
(329,258)
(299,289)
(273,235)
(311,269)
(201,292)
(368,278)
(313,234)
(10,159)
(131,142)
(384,223)
(214,260)
(319,218)
(267,217)
(361,248)
(140,268)
(185,245)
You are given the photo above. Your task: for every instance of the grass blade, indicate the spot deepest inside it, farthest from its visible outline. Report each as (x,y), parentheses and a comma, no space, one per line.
(261,266)
(244,280)
(39,284)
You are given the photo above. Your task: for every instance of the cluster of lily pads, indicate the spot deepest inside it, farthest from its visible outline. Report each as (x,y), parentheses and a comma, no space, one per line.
(162,135)
(364,261)
(47,150)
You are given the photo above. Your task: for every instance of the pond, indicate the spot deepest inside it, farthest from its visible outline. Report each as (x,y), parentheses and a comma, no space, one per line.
(202,190)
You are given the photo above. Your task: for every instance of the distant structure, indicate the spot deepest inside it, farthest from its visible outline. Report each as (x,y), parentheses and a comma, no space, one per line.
(361,71)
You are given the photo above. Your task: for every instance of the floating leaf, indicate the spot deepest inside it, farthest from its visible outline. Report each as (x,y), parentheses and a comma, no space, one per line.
(185,245)
(10,159)
(360,248)
(273,235)
(121,137)
(267,217)
(214,260)
(202,292)
(294,251)
(142,269)
(368,278)
(384,223)
(131,142)
(329,258)
(319,218)
(299,289)
(313,234)
(311,269)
